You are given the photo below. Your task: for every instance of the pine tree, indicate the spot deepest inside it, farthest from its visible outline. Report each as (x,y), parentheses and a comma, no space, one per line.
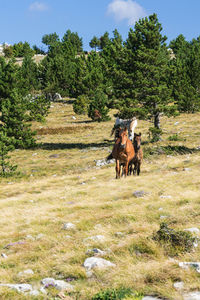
(94,43)
(145,87)
(5,147)
(14,121)
(98,110)
(185,75)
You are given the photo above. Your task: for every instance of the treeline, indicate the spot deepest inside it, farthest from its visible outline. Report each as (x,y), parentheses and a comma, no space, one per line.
(141,76)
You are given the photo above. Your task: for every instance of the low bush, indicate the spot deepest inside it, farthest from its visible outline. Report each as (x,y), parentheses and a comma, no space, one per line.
(174,241)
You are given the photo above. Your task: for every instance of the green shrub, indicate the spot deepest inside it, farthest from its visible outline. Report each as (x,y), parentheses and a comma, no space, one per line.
(98,110)
(175,138)
(155,134)
(174,241)
(80,105)
(113,294)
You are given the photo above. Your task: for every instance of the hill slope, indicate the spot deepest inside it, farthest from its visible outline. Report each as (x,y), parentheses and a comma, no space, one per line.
(61,183)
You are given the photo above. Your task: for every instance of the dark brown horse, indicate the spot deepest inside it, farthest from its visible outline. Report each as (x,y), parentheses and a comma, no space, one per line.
(138,157)
(123,152)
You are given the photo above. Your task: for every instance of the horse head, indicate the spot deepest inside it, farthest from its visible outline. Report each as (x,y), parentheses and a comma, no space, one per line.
(123,135)
(137,141)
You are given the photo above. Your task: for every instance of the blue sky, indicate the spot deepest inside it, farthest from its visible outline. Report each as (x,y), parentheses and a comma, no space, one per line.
(29,20)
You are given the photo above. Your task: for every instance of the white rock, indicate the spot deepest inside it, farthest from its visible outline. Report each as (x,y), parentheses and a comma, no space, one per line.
(96,262)
(179,285)
(58,284)
(19,287)
(150,298)
(48,281)
(26,272)
(39,236)
(163,217)
(165,196)
(68,237)
(34,293)
(30,237)
(186,265)
(68,226)
(95,238)
(96,252)
(4,255)
(192,296)
(63,286)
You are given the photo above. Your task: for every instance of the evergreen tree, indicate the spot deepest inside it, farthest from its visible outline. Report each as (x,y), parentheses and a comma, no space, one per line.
(21,49)
(145,87)
(98,110)
(74,40)
(6,146)
(29,76)
(14,121)
(94,43)
(104,40)
(185,75)
(50,39)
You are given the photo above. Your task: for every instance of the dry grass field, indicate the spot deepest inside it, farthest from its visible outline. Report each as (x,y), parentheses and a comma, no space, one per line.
(59,182)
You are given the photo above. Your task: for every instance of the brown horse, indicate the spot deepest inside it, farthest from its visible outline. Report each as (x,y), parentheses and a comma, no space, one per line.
(123,152)
(137,159)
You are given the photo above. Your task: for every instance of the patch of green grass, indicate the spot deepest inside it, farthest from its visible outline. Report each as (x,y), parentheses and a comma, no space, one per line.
(115,294)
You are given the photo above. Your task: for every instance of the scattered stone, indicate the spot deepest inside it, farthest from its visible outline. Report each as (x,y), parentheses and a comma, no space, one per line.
(26,272)
(186,169)
(103,162)
(96,262)
(161,208)
(57,97)
(150,298)
(119,234)
(23,287)
(194,265)
(179,285)
(58,284)
(139,194)
(96,252)
(192,296)
(39,236)
(54,156)
(69,226)
(163,217)
(95,238)
(165,196)
(4,255)
(74,118)
(68,237)
(30,237)
(34,293)
(176,123)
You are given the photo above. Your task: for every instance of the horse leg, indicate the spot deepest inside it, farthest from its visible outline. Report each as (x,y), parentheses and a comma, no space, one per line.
(117,169)
(138,169)
(135,168)
(126,169)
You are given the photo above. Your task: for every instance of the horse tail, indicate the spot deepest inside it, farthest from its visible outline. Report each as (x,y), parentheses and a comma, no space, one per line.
(112,131)
(109,157)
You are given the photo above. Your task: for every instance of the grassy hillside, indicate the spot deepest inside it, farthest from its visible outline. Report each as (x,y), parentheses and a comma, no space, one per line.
(61,183)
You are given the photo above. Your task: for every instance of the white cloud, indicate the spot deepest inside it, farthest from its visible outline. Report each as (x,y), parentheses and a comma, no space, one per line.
(126,10)
(38,6)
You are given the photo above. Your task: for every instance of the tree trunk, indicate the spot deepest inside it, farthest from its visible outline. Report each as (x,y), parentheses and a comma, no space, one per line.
(157,120)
